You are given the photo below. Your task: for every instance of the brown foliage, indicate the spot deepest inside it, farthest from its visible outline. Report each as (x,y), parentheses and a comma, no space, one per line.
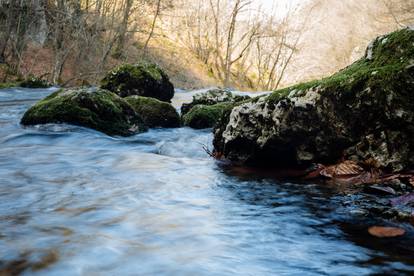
(386,232)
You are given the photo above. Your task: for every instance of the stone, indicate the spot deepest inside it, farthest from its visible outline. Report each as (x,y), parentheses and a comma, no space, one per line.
(141,79)
(155,113)
(212,97)
(365,113)
(94,108)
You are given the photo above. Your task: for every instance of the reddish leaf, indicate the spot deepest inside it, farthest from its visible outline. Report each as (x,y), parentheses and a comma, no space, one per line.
(386,232)
(315,173)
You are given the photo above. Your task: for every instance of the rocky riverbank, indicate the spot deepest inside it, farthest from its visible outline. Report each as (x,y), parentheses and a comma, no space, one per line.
(354,127)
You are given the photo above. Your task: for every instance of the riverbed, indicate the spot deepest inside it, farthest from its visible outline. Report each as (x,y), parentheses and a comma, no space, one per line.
(74,201)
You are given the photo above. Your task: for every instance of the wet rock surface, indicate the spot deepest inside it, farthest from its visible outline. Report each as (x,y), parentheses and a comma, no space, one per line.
(206,116)
(94,108)
(141,79)
(155,113)
(395,202)
(363,113)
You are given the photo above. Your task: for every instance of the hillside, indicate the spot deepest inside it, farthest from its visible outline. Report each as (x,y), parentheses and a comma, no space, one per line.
(199,44)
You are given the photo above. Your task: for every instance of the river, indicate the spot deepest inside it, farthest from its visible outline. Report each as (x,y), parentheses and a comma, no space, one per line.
(74,201)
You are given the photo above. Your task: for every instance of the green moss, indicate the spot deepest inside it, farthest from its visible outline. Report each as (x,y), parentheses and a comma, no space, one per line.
(212,97)
(155,113)
(141,79)
(206,116)
(94,108)
(385,57)
(5,85)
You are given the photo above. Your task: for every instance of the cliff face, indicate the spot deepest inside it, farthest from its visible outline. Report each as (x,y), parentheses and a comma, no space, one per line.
(364,112)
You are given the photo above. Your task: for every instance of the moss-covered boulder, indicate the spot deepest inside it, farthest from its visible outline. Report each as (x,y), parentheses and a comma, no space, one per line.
(35,82)
(211,97)
(142,79)
(94,108)
(364,112)
(155,113)
(205,116)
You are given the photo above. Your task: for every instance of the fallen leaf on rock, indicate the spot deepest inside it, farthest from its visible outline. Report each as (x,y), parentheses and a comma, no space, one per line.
(402,200)
(386,232)
(346,168)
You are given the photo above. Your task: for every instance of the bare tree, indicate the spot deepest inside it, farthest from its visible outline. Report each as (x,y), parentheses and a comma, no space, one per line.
(402,11)
(124,27)
(157,12)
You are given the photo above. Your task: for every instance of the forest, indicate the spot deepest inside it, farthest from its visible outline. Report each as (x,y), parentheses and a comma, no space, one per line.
(242,44)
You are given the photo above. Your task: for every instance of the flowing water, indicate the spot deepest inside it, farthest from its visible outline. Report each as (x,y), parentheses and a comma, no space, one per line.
(76,202)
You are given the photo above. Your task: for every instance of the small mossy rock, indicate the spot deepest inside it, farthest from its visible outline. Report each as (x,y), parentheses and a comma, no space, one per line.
(155,113)
(94,108)
(34,82)
(211,97)
(364,112)
(205,116)
(4,85)
(142,79)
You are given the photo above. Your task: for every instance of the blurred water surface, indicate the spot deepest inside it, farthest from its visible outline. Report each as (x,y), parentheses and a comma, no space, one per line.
(77,202)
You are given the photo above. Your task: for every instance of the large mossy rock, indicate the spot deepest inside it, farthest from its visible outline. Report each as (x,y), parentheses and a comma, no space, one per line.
(155,113)
(94,108)
(142,79)
(206,116)
(212,97)
(364,112)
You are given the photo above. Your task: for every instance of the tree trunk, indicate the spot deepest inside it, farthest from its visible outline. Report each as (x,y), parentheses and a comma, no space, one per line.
(124,28)
(157,12)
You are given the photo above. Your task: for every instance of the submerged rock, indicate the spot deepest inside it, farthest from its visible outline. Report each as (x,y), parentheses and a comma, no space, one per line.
(155,113)
(142,79)
(364,112)
(206,116)
(94,108)
(212,97)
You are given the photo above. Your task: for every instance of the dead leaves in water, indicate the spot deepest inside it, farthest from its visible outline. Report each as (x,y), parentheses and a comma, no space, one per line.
(386,232)
(349,172)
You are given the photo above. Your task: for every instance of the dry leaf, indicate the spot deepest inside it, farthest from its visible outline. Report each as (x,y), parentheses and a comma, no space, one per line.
(403,200)
(386,232)
(346,168)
